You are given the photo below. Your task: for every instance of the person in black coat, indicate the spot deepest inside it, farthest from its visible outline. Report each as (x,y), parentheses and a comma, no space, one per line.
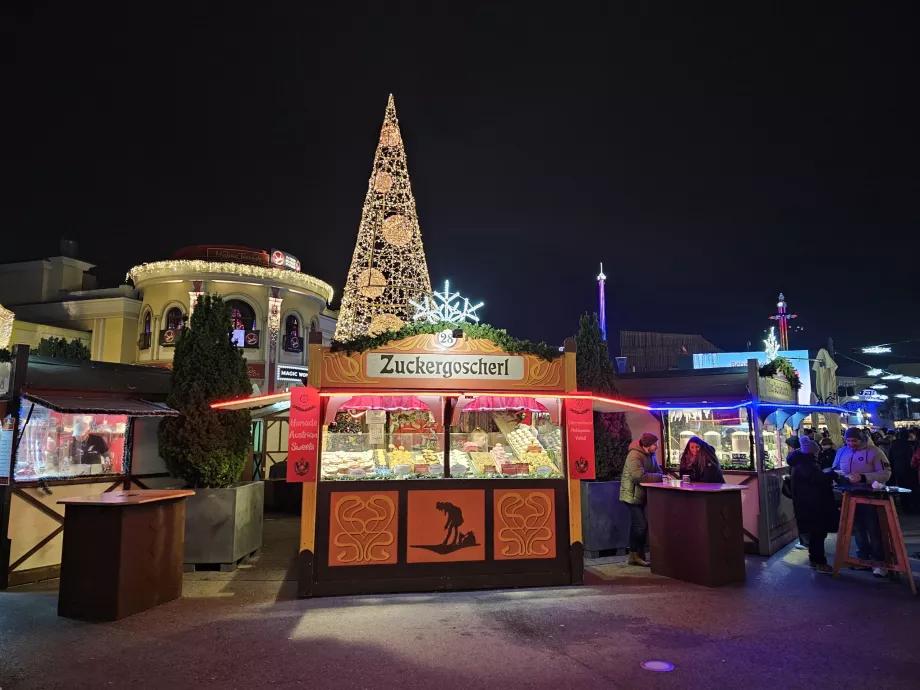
(827,454)
(699,462)
(904,475)
(813,502)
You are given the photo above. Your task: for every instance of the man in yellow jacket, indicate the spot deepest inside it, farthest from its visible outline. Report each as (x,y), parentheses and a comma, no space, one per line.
(640,466)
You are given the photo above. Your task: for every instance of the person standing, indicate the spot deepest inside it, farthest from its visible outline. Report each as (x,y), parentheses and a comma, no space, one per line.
(861,463)
(813,502)
(699,462)
(827,454)
(640,466)
(904,475)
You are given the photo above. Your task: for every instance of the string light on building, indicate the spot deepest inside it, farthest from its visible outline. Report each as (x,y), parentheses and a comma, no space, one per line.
(874,372)
(444,307)
(6,326)
(876,350)
(902,396)
(892,377)
(388,267)
(879,386)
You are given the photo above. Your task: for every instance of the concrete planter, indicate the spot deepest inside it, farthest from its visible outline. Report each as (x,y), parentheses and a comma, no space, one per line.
(604,519)
(223,526)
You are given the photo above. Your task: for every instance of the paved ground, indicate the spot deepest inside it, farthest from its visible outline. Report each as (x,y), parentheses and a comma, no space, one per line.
(785,628)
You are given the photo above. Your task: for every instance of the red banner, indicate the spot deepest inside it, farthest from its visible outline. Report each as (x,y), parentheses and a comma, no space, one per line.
(303,435)
(579,427)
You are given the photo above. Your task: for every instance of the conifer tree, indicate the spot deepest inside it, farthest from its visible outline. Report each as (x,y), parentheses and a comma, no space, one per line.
(597,374)
(205,447)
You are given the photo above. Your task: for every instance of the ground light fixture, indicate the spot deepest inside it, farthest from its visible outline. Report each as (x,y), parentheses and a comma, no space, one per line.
(657,665)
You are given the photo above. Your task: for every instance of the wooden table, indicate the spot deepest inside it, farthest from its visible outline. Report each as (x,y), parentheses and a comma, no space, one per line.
(122,554)
(882,500)
(696,532)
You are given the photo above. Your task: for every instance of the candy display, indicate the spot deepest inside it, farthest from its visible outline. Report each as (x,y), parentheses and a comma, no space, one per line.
(482,462)
(499,456)
(342,463)
(399,456)
(459,462)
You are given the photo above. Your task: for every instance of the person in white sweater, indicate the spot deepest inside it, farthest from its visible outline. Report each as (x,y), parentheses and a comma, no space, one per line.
(862,463)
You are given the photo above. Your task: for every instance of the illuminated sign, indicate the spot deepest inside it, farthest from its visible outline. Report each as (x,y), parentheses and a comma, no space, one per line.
(425,366)
(289,372)
(799,359)
(284,260)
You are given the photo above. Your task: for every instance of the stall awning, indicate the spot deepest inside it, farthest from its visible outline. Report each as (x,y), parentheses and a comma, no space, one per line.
(384,402)
(489,403)
(75,404)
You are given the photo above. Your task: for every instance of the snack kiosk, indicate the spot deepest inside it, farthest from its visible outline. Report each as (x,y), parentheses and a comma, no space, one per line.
(441,465)
(747,419)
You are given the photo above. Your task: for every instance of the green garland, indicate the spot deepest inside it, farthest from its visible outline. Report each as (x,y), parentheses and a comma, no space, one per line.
(783,366)
(476,331)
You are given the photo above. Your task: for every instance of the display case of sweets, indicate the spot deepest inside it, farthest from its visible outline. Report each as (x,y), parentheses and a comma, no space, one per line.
(348,464)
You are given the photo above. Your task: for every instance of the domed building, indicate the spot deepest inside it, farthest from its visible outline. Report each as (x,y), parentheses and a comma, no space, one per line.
(274,307)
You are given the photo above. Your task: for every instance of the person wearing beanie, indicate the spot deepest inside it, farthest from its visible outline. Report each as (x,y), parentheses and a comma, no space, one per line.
(797,454)
(640,466)
(860,463)
(812,502)
(792,445)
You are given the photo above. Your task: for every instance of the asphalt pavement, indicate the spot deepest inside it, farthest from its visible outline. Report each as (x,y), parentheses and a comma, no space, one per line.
(786,627)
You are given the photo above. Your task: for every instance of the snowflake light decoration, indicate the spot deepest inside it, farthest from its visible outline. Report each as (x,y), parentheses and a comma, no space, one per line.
(444,307)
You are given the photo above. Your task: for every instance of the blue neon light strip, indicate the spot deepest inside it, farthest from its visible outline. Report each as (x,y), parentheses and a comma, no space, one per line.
(815,408)
(778,406)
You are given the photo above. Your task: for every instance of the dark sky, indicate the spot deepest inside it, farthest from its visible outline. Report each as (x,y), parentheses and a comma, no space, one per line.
(709,160)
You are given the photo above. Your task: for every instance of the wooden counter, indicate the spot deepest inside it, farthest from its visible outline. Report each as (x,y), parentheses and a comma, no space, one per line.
(696,532)
(122,553)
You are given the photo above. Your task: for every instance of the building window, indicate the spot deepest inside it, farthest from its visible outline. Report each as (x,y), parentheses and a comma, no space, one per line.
(174,319)
(143,342)
(293,340)
(243,320)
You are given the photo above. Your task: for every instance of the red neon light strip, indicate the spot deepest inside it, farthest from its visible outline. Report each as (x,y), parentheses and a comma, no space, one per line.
(268,398)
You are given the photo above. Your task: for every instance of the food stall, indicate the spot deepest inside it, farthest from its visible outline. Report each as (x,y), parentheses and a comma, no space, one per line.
(747,419)
(438,462)
(84,428)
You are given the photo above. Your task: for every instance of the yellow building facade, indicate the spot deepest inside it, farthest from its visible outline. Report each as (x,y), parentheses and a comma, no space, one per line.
(274,307)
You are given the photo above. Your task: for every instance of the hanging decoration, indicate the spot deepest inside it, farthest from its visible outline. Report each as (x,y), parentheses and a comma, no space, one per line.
(444,307)
(771,345)
(388,267)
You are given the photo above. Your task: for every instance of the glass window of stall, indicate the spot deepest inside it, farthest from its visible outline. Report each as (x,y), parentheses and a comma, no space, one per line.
(56,445)
(496,436)
(375,437)
(729,432)
(778,427)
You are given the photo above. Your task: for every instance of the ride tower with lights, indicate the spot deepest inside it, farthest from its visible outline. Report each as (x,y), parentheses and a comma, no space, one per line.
(782,320)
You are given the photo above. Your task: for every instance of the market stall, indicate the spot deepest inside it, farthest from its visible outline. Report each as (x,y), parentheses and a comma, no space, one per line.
(84,428)
(747,419)
(441,465)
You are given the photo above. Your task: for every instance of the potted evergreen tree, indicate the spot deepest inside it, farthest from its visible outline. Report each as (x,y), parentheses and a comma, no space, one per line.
(605,520)
(208,448)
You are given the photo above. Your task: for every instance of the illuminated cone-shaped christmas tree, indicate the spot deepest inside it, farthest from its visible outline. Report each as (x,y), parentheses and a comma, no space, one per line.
(388,267)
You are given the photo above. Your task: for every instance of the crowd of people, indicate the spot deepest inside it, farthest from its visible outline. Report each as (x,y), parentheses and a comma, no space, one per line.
(816,465)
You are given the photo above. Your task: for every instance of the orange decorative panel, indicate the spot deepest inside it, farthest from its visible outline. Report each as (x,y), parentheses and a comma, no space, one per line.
(446,526)
(363,527)
(420,362)
(525,524)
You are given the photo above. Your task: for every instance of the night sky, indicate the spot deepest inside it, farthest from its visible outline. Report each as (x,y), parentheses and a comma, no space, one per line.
(709,160)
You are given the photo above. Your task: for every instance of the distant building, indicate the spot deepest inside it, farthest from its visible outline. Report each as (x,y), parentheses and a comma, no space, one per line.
(58,297)
(648,351)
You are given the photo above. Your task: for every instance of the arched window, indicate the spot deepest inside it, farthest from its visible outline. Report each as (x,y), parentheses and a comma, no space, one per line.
(174,319)
(242,315)
(293,338)
(143,342)
(147,323)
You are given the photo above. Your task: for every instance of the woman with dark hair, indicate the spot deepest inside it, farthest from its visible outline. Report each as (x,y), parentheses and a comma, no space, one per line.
(699,461)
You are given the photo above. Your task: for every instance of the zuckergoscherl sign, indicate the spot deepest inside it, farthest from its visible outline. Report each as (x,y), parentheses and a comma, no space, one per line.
(799,359)
(433,366)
